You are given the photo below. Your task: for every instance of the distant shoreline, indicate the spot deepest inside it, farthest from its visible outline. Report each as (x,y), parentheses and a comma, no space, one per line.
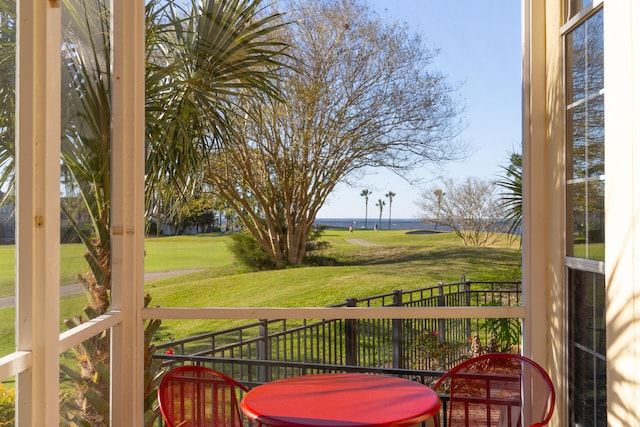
(385,224)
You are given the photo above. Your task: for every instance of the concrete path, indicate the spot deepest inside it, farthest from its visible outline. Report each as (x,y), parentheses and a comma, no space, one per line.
(77,289)
(361,242)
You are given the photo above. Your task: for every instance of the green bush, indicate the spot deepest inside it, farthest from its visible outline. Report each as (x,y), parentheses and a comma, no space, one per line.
(504,333)
(248,252)
(7,406)
(315,249)
(434,353)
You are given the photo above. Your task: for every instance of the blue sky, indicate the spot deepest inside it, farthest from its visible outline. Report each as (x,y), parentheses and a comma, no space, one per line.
(480,47)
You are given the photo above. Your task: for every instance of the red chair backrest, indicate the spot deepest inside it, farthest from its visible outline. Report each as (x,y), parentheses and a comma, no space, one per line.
(195,396)
(497,390)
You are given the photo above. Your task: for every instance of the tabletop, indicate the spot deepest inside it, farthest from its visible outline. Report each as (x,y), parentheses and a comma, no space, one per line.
(341,400)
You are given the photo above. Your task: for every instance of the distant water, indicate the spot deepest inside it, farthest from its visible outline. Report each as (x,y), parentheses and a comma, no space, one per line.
(396,223)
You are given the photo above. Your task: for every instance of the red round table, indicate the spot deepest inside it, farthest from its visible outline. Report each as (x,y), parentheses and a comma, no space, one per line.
(341,400)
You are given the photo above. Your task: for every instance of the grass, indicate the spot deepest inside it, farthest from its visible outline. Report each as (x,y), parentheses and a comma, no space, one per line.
(395,260)
(187,252)
(398,261)
(162,254)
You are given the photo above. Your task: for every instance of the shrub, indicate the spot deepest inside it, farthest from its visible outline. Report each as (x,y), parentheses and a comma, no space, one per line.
(248,252)
(434,353)
(504,333)
(7,406)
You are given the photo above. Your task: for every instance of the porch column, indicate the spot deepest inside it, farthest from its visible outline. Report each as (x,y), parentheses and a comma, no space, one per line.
(127,211)
(543,201)
(38,210)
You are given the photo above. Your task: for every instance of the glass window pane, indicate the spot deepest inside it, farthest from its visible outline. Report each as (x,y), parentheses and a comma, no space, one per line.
(575,6)
(594,130)
(585,216)
(588,350)
(595,220)
(588,311)
(577,133)
(585,140)
(585,59)
(586,220)
(594,53)
(585,128)
(583,411)
(576,65)
(600,393)
(576,227)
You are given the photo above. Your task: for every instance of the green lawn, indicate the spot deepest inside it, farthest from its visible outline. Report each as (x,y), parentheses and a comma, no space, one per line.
(396,260)
(399,261)
(163,254)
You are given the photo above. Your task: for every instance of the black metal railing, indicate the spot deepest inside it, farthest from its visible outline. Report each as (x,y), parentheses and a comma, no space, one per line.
(385,343)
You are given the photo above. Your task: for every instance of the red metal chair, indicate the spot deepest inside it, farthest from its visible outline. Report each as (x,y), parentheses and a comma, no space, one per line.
(496,389)
(195,396)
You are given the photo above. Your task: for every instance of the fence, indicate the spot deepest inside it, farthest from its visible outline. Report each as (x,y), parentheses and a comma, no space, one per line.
(418,344)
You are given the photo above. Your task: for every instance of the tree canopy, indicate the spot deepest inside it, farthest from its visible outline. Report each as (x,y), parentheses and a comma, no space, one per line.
(357,92)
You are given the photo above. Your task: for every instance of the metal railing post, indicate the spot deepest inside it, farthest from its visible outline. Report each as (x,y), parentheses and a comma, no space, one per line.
(264,372)
(397,334)
(467,292)
(442,326)
(351,336)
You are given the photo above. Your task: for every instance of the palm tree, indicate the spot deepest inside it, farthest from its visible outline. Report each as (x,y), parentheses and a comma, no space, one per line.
(215,55)
(7,98)
(512,196)
(380,205)
(202,59)
(390,195)
(366,193)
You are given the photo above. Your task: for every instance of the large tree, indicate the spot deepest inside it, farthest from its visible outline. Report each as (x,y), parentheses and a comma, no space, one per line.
(360,93)
(471,208)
